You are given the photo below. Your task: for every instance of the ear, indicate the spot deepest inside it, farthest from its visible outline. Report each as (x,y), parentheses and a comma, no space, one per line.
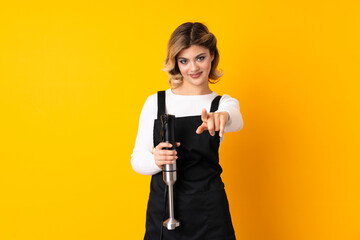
(212,57)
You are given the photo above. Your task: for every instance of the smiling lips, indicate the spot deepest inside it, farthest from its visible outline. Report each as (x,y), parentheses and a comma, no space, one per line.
(195,75)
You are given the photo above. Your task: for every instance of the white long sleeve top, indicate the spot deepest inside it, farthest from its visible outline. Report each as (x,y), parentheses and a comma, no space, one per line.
(142,158)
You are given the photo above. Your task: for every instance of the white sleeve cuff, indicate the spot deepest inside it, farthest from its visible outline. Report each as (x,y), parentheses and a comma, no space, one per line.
(231,106)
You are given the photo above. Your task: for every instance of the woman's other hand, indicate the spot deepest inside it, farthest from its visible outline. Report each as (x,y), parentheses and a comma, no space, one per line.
(163,156)
(213,121)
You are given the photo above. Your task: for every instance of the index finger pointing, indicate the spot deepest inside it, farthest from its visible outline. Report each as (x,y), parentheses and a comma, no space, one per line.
(204,115)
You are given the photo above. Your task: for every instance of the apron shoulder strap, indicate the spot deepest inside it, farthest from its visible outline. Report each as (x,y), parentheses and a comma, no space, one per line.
(215,104)
(161,103)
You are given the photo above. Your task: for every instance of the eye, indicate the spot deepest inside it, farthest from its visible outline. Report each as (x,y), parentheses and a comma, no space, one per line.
(182,61)
(201,58)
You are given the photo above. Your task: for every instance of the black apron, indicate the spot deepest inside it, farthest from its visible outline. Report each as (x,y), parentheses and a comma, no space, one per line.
(200,202)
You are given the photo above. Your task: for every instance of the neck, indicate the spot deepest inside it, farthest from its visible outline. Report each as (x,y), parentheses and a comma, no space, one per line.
(184,89)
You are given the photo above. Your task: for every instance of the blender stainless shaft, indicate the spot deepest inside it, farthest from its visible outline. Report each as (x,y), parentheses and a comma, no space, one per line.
(169,170)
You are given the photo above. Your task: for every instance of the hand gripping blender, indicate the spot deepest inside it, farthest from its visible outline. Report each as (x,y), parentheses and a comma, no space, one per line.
(169,170)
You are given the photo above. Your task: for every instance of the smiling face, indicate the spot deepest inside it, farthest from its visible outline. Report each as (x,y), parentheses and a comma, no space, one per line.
(195,65)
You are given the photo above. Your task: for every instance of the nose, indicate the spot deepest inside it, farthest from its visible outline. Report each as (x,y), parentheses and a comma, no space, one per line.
(194,67)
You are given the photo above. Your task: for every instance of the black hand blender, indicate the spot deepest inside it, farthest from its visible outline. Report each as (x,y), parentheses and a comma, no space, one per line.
(169,170)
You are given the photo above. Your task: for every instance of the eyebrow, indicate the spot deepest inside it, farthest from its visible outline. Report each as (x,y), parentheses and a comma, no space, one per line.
(195,57)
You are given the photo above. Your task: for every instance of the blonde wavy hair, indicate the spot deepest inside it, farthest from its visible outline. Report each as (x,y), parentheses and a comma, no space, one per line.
(187,34)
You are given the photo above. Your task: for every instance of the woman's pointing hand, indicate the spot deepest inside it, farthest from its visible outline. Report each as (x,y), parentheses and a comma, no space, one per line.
(213,121)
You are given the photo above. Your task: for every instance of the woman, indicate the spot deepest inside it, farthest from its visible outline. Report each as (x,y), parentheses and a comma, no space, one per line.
(201,120)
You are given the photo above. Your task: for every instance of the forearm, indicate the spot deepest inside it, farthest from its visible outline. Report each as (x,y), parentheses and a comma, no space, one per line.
(143,162)
(231,105)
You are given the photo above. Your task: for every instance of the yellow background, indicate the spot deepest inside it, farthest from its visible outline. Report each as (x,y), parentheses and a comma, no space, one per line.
(75,74)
